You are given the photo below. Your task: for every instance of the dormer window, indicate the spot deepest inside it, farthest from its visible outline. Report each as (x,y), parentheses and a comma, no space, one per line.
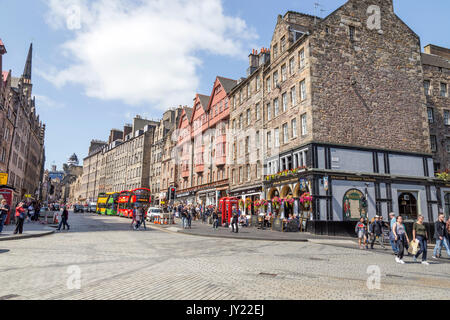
(275,51)
(283,44)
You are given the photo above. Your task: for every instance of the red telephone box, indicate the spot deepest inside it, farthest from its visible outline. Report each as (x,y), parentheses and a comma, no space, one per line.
(7,194)
(226,206)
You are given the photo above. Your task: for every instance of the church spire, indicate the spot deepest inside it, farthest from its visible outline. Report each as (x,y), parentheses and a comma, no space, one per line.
(28,64)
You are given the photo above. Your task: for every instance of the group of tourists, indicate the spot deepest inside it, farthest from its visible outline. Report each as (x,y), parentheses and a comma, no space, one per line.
(24,211)
(139,216)
(369,232)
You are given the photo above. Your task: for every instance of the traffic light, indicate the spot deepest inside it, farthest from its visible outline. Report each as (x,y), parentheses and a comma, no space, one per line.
(172,193)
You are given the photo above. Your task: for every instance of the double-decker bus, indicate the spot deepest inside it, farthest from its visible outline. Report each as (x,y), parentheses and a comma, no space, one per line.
(101,203)
(125,208)
(112,203)
(141,197)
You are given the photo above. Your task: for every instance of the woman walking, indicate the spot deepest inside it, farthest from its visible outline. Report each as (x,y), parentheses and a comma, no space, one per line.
(360,230)
(421,235)
(20,217)
(401,238)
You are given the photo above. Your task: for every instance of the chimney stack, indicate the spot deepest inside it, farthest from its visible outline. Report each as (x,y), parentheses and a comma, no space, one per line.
(253,62)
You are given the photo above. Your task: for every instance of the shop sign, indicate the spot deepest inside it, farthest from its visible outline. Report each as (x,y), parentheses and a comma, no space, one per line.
(3,179)
(244,192)
(353,179)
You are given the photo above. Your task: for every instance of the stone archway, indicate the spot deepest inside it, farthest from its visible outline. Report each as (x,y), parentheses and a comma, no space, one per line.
(297,191)
(286,191)
(273,193)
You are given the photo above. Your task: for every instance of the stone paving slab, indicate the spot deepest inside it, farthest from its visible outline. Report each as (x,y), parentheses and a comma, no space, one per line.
(30,230)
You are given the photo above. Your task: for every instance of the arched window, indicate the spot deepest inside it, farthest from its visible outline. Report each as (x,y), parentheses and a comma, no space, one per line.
(352,205)
(407,206)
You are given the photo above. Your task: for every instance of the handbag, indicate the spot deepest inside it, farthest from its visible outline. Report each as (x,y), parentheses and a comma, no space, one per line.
(414,247)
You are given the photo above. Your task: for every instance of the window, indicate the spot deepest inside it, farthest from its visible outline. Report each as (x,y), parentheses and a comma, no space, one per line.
(241,120)
(248,91)
(430,115)
(240,174)
(285,133)
(257,140)
(248,173)
(448,145)
(284,101)
(249,118)
(351,33)
(286,163)
(258,83)
(303,90)
(275,51)
(275,108)
(234,124)
(283,44)
(291,66)
(293,97)
(272,167)
(269,139)
(258,111)
(3,157)
(240,96)
(301,59)
(443,89)
(304,125)
(426,87)
(275,78)
(269,85)
(294,127)
(277,137)
(447,117)
(283,72)
(300,158)
(269,113)
(433,143)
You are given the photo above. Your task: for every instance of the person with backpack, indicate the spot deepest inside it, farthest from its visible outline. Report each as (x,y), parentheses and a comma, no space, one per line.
(4,210)
(215,217)
(360,230)
(64,219)
(20,218)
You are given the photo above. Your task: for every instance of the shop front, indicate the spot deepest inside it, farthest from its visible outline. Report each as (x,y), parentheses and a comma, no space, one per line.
(248,198)
(186,197)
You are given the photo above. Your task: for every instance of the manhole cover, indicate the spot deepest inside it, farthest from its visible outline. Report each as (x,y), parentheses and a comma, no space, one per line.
(9,296)
(272,275)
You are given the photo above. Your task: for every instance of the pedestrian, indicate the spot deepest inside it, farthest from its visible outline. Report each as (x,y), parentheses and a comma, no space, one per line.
(137,217)
(377,232)
(133,217)
(142,217)
(393,220)
(190,216)
(360,230)
(64,220)
(20,217)
(401,238)
(215,217)
(234,221)
(441,235)
(4,209)
(420,234)
(183,212)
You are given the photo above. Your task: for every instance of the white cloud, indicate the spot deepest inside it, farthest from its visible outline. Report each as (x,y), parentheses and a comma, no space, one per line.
(48,103)
(143,51)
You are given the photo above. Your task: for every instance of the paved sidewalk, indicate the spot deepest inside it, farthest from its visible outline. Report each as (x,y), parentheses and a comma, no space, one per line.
(30,230)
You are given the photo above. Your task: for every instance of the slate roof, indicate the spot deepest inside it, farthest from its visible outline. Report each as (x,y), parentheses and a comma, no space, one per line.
(434,60)
(204,101)
(227,84)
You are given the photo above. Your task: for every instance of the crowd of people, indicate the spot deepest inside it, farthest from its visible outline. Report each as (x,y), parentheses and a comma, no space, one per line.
(377,229)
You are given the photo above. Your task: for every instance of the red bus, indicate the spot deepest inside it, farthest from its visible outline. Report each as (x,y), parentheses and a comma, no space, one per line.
(125,208)
(141,197)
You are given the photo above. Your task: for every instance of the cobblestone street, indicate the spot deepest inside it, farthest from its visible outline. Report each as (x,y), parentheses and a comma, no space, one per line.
(117,263)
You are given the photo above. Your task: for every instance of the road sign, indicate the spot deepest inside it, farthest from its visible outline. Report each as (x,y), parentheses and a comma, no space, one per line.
(3,179)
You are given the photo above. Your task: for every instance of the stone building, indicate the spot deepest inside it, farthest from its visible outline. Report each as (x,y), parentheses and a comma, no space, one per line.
(184,157)
(436,69)
(91,175)
(22,146)
(160,164)
(355,130)
(245,141)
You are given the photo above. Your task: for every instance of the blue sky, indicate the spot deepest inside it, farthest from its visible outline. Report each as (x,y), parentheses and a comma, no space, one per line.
(72,110)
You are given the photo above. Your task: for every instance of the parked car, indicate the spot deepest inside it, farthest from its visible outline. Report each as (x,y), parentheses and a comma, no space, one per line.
(153,212)
(78,208)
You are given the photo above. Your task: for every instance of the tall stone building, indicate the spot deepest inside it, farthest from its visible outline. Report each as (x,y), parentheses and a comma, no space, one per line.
(160,164)
(245,141)
(436,70)
(22,146)
(356,134)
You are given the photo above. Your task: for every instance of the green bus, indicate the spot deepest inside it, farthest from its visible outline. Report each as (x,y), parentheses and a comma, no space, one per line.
(112,204)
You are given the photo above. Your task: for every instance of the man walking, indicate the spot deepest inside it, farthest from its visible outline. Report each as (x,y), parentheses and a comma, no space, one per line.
(64,219)
(393,220)
(234,221)
(441,235)
(4,209)
(377,232)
